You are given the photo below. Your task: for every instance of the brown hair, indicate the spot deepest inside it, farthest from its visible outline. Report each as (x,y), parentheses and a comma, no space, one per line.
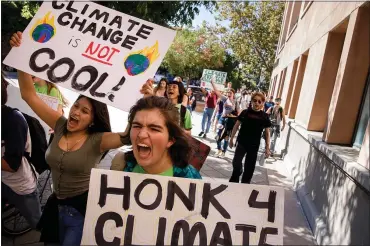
(180,151)
(53,86)
(260,95)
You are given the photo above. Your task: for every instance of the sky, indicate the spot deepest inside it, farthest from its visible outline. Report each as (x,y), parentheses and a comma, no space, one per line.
(204,14)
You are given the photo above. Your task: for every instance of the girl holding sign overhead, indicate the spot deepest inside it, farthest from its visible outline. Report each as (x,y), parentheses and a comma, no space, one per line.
(160,146)
(80,142)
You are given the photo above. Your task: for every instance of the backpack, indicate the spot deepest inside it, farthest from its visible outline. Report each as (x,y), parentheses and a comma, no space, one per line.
(38,144)
(201,150)
(273,116)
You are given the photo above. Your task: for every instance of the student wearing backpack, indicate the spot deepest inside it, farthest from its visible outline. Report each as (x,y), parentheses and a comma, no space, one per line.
(277,115)
(18,180)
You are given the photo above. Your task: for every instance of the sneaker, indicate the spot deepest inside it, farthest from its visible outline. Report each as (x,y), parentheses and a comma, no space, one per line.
(219,153)
(223,154)
(205,135)
(200,134)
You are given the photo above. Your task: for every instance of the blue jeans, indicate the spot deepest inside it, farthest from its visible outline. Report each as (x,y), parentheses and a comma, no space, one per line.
(207,116)
(28,205)
(226,141)
(71,225)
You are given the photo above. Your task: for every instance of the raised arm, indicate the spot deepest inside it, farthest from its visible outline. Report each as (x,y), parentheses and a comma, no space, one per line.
(114,140)
(204,91)
(218,93)
(28,92)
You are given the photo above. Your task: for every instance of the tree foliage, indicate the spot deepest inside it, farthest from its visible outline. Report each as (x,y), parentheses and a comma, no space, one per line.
(253,37)
(166,13)
(194,50)
(17,14)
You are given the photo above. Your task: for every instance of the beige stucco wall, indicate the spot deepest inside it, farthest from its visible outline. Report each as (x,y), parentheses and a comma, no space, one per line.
(310,80)
(320,18)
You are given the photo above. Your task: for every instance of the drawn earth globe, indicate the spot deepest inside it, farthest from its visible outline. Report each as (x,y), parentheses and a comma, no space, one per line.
(136,64)
(43,33)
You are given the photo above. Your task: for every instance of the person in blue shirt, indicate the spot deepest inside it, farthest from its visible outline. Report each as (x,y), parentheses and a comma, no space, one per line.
(270,103)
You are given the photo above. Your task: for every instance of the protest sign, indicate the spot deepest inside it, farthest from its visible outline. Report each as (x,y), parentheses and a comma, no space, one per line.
(138,209)
(220,79)
(93,50)
(15,101)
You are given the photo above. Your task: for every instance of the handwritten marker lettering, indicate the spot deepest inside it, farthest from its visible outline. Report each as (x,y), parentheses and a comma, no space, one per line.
(100,53)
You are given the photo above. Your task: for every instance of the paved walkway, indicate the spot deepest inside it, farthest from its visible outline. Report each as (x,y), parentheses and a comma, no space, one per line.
(268,172)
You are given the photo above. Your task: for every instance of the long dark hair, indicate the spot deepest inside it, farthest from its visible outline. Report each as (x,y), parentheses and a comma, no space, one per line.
(181,150)
(182,90)
(159,84)
(4,92)
(101,122)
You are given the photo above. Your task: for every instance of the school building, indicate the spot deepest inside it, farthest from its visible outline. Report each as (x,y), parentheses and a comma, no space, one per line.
(322,74)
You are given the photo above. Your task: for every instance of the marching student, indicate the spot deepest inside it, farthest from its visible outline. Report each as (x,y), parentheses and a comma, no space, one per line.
(252,122)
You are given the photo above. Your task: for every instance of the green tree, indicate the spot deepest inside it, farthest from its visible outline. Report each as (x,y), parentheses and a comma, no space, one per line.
(166,13)
(253,37)
(17,14)
(194,50)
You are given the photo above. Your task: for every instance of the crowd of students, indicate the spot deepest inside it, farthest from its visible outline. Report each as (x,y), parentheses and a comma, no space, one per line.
(159,130)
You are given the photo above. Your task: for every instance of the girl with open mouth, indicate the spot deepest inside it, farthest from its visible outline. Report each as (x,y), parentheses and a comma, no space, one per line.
(160,146)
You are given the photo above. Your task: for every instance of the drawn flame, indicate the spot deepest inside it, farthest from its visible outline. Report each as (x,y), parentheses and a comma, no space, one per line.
(150,52)
(44,20)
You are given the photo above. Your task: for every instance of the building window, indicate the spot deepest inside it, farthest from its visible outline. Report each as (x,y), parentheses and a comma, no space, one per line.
(306,5)
(295,15)
(363,116)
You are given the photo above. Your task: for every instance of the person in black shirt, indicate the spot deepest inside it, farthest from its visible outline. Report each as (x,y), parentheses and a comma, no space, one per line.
(253,121)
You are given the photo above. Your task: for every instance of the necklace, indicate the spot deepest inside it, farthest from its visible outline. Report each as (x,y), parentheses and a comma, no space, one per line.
(69,149)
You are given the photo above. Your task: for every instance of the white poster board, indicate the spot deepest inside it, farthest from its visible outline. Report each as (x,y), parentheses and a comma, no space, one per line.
(220,79)
(136,209)
(15,101)
(93,50)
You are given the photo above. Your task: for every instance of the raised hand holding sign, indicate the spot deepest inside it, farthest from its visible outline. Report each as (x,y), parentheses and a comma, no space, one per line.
(93,50)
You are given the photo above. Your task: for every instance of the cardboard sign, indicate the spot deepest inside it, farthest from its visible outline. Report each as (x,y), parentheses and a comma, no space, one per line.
(93,50)
(220,79)
(137,209)
(52,102)
(15,101)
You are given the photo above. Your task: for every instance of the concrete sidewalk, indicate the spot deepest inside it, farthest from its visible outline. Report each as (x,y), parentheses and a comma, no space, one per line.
(268,172)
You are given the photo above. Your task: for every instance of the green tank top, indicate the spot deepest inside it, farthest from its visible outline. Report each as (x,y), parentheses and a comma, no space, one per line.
(139,169)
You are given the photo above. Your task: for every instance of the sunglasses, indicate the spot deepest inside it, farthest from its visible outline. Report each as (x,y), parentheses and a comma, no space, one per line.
(257,101)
